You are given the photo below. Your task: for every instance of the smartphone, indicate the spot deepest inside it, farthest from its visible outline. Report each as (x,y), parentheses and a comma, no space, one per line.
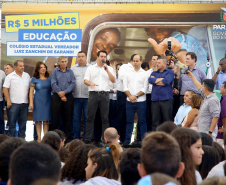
(184,71)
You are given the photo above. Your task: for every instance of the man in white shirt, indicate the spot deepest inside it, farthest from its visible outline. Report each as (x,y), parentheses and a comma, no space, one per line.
(121,98)
(80,94)
(16,89)
(98,77)
(2,78)
(135,85)
(145,67)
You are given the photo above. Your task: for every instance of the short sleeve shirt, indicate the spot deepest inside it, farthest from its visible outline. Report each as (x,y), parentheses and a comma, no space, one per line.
(18,87)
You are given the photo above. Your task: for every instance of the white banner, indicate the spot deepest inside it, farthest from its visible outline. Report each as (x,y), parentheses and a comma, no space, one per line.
(35,49)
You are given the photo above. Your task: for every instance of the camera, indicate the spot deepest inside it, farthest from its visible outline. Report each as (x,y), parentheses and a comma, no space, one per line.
(170,53)
(184,71)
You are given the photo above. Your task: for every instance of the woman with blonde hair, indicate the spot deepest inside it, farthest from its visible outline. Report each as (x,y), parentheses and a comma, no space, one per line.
(191,120)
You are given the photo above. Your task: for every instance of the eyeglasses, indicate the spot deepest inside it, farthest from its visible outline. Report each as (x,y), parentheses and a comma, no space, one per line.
(55,66)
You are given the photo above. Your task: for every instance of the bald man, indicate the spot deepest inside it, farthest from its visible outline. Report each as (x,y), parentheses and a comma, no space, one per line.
(111,135)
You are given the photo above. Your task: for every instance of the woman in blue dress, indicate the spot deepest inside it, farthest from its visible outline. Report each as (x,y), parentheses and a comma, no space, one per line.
(40,101)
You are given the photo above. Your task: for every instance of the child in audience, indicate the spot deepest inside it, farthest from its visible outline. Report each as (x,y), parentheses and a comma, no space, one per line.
(209,160)
(167,127)
(73,171)
(160,152)
(220,168)
(191,152)
(219,150)
(206,139)
(102,166)
(128,166)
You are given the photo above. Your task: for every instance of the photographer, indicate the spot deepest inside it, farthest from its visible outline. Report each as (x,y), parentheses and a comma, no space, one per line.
(185,83)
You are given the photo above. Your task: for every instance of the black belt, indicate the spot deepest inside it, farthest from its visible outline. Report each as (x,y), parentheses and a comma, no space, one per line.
(98,92)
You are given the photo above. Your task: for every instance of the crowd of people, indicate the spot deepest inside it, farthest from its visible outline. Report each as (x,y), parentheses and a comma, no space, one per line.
(171,155)
(180,122)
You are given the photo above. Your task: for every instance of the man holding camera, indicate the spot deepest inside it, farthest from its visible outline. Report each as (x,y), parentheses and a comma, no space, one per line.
(98,78)
(185,83)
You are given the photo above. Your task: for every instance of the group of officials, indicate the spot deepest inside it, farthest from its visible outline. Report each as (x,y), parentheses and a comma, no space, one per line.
(85,88)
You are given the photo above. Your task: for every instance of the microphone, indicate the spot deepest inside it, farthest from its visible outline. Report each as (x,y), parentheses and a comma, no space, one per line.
(104,62)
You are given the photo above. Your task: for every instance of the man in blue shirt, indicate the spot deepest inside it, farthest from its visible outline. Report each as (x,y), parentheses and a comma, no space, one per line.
(162,93)
(63,83)
(220,75)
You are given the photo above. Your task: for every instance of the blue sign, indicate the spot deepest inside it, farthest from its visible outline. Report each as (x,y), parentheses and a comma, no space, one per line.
(50,35)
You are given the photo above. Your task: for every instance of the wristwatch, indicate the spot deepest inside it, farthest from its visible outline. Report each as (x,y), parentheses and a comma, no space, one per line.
(137,96)
(217,73)
(210,132)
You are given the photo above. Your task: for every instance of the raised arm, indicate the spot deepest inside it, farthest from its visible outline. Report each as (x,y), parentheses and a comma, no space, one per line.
(216,74)
(110,75)
(198,85)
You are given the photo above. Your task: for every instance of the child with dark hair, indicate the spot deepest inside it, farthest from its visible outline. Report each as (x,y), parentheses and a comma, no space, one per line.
(206,139)
(74,144)
(219,169)
(73,171)
(7,147)
(219,150)
(33,161)
(128,166)
(167,127)
(209,160)
(102,166)
(64,154)
(62,136)
(52,139)
(169,162)
(191,152)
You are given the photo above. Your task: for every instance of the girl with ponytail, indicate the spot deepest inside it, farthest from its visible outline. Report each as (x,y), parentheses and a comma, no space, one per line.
(102,165)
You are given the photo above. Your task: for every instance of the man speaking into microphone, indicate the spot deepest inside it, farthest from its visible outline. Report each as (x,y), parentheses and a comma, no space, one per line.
(98,77)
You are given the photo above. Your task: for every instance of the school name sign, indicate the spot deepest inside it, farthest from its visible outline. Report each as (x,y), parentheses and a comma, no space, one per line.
(44,34)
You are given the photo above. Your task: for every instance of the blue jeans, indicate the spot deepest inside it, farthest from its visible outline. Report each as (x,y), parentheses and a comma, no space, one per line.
(2,124)
(18,112)
(80,106)
(17,126)
(140,108)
